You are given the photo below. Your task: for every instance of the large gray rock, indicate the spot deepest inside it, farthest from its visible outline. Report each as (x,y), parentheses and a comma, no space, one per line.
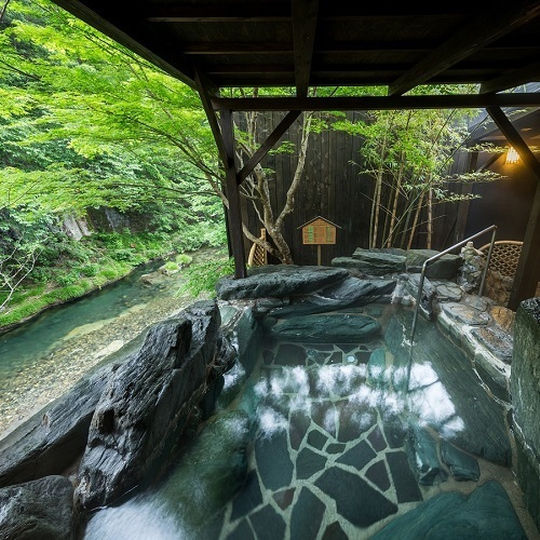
(350,292)
(496,340)
(428,296)
(280,281)
(326,327)
(378,262)
(486,513)
(147,404)
(525,389)
(465,314)
(37,510)
(54,438)
(444,268)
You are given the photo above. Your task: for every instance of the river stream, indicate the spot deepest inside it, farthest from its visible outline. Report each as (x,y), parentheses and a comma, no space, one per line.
(43,358)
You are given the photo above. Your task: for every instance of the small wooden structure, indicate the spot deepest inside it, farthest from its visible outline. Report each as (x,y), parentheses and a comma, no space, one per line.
(258,256)
(318,232)
(211,44)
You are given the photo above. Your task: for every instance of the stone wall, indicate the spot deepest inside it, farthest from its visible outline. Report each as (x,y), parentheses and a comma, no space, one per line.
(525,387)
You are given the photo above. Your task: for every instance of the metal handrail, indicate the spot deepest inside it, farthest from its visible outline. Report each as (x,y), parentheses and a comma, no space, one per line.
(445,252)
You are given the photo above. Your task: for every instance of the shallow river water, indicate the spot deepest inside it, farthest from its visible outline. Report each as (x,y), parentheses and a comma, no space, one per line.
(43,358)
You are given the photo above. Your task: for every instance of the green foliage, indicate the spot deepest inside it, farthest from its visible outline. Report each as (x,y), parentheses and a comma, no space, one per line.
(171,266)
(183,259)
(202,277)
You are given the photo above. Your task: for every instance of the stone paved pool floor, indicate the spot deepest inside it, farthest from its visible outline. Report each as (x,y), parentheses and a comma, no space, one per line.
(332,457)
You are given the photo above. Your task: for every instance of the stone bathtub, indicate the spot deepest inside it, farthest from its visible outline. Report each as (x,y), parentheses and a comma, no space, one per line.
(294,407)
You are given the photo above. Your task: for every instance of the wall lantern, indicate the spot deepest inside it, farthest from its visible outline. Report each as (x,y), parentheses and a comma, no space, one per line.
(511,156)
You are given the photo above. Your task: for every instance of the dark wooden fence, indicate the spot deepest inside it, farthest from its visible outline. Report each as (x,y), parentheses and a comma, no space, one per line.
(335,188)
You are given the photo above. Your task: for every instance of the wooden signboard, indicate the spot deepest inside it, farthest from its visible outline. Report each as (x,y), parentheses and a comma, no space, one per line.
(319,232)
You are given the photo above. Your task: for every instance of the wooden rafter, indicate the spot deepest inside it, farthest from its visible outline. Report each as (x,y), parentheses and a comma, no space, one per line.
(242,48)
(472,36)
(513,78)
(528,271)
(463,101)
(267,145)
(206,92)
(219,12)
(304,23)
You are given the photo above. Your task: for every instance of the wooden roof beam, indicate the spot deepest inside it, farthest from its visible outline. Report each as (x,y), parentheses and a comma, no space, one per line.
(472,36)
(328,47)
(304,22)
(512,78)
(458,101)
(206,92)
(219,13)
(267,145)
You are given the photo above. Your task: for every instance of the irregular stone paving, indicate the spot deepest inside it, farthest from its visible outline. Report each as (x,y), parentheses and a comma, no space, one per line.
(329,458)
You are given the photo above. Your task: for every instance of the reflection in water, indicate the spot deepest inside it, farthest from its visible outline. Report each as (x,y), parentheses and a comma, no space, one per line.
(299,388)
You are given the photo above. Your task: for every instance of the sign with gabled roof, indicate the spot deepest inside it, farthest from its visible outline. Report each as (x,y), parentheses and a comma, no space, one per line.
(319,231)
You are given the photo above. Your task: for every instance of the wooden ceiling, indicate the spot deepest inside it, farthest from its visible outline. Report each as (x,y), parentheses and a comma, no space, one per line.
(303,43)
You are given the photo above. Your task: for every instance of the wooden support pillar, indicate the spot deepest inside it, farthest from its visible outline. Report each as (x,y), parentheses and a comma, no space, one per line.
(224,138)
(528,271)
(233,196)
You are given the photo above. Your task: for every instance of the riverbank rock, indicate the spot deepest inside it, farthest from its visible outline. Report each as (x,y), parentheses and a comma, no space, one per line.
(41,509)
(444,268)
(486,513)
(147,404)
(349,292)
(54,438)
(280,281)
(326,327)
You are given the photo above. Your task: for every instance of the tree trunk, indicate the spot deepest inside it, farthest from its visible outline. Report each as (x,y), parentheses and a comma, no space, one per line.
(256,189)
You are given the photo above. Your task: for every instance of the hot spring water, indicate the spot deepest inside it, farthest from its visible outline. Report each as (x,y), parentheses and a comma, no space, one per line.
(310,439)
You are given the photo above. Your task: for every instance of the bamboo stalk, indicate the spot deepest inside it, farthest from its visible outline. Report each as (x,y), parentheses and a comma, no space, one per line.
(415,221)
(429,218)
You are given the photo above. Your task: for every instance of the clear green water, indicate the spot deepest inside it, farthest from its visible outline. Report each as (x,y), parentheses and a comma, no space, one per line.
(311,441)
(28,343)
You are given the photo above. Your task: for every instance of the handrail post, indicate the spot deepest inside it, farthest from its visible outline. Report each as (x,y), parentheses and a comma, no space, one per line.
(488,259)
(419,297)
(445,252)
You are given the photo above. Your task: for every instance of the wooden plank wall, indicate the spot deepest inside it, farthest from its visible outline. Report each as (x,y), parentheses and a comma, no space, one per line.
(332,187)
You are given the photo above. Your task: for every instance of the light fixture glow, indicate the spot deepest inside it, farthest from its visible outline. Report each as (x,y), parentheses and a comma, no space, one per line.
(512,156)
